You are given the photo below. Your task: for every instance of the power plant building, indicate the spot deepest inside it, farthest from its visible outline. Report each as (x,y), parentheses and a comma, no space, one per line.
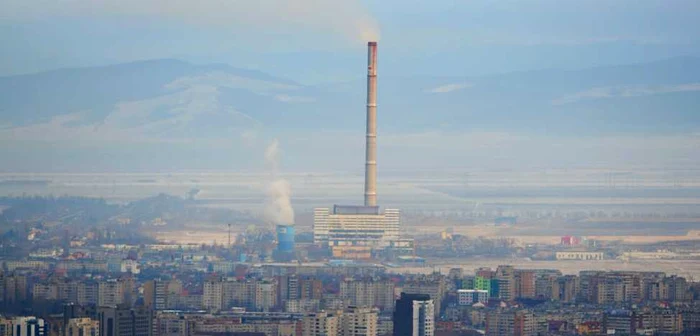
(356,225)
(353,232)
(285,238)
(285,243)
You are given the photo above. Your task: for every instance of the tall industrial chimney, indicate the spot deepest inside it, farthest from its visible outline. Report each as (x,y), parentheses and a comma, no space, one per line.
(371,146)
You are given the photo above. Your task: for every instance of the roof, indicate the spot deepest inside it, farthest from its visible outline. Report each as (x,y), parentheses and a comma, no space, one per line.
(355,210)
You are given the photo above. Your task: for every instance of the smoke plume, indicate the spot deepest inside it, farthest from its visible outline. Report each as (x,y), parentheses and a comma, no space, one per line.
(278,207)
(348,18)
(272,153)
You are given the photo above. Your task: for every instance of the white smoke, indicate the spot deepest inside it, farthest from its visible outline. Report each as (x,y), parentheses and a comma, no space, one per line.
(272,153)
(343,17)
(278,207)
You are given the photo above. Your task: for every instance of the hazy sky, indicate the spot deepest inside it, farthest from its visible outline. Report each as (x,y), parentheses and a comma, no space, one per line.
(420,37)
(596,119)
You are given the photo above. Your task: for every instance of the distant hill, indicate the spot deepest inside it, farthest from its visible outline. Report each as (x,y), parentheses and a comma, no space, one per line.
(641,96)
(175,101)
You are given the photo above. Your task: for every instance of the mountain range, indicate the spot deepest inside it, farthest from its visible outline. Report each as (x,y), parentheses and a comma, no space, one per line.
(151,103)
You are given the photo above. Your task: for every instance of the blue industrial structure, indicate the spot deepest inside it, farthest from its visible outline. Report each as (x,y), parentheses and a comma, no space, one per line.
(285,238)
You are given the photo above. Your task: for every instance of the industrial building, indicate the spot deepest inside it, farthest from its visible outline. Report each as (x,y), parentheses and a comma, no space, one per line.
(580,255)
(285,243)
(354,232)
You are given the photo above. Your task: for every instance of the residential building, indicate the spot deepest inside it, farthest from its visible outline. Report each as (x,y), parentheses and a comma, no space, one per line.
(505,277)
(212,298)
(433,285)
(525,284)
(172,324)
(468,297)
(511,323)
(623,322)
(564,288)
(115,292)
(83,326)
(320,324)
(125,321)
(368,293)
(29,326)
(161,294)
(414,315)
(358,321)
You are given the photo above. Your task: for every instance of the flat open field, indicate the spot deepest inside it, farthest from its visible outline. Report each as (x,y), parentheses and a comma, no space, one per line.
(686,268)
(541,233)
(642,205)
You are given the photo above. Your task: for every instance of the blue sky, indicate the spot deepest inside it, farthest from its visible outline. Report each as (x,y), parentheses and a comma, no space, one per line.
(308,40)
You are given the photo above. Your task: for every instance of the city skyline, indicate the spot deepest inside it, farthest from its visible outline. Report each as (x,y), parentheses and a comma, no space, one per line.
(349,168)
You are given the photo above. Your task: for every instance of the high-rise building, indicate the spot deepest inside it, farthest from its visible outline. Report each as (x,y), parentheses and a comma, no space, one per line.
(482,283)
(67,290)
(612,287)
(356,321)
(212,297)
(468,297)
(265,296)
(125,321)
(161,294)
(73,311)
(665,322)
(172,324)
(88,293)
(83,326)
(511,323)
(288,288)
(434,286)
(292,287)
(260,295)
(414,315)
(525,283)
(505,277)
(368,293)
(691,320)
(29,326)
(5,323)
(564,288)
(115,292)
(311,289)
(677,288)
(622,322)
(236,293)
(485,272)
(320,324)
(44,291)
(14,288)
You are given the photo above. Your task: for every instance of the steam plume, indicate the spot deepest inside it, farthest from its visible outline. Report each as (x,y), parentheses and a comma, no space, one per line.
(272,153)
(344,17)
(278,208)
